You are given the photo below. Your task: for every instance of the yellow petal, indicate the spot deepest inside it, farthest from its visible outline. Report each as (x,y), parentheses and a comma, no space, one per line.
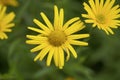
(36,37)
(78,36)
(61,58)
(9,17)
(3,11)
(61,18)
(72,50)
(3,36)
(39,47)
(89,21)
(37,30)
(47,21)
(93,6)
(56,55)
(88,9)
(66,25)
(42,26)
(85,15)
(97,5)
(101,4)
(110,30)
(56,17)
(34,42)
(68,55)
(49,58)
(10,25)
(109,6)
(75,42)
(42,53)
(7,30)
(67,51)
(77,26)
(105,31)
(106,4)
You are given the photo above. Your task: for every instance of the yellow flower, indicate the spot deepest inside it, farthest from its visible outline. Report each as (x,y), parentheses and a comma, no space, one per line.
(9,2)
(55,39)
(69,78)
(5,22)
(102,14)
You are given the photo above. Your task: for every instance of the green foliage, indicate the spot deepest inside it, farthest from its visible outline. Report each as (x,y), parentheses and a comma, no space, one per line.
(99,61)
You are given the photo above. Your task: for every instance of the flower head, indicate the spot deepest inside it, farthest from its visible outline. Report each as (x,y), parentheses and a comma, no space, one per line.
(9,2)
(102,14)
(69,78)
(55,39)
(5,22)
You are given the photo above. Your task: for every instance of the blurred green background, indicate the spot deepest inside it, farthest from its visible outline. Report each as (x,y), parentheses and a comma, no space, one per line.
(98,61)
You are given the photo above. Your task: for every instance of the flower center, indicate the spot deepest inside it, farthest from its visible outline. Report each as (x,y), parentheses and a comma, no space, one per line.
(57,38)
(100,18)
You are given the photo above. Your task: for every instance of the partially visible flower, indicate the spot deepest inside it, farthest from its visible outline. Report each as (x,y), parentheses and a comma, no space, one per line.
(69,78)
(5,22)
(53,39)
(103,14)
(9,2)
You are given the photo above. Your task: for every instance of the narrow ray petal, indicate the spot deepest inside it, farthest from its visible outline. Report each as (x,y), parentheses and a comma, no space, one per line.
(37,30)
(72,50)
(97,5)
(36,37)
(67,51)
(75,42)
(61,18)
(85,15)
(39,47)
(88,9)
(77,26)
(101,3)
(47,21)
(68,55)
(66,25)
(9,17)
(50,55)
(78,36)
(3,10)
(89,21)
(7,30)
(93,6)
(42,26)
(42,53)
(56,17)
(56,57)
(10,25)
(34,42)
(61,57)
(110,30)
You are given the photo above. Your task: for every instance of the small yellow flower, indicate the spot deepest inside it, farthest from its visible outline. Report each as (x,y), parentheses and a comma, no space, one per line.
(55,39)
(5,22)
(102,14)
(69,78)
(9,2)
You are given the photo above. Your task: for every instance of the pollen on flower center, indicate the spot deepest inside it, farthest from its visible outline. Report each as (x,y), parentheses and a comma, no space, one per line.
(57,38)
(100,18)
